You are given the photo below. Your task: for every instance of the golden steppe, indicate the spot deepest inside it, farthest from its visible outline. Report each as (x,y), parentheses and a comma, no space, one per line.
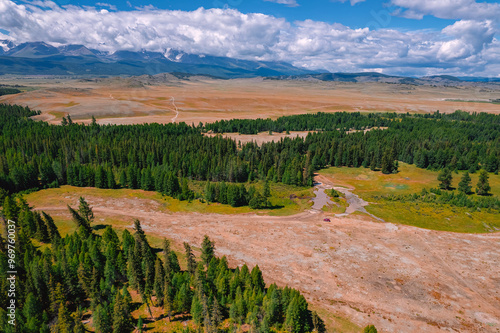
(201,99)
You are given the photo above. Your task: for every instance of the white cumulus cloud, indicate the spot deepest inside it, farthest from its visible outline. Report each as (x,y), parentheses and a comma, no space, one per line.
(448,9)
(289,3)
(467,46)
(353,2)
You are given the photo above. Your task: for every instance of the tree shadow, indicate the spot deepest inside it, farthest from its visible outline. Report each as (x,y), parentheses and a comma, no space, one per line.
(273,207)
(99,227)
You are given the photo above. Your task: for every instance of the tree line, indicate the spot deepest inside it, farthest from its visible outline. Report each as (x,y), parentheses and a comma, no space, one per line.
(34,154)
(84,271)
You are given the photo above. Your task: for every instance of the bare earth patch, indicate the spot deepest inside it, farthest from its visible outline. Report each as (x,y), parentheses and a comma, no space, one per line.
(263,137)
(400,278)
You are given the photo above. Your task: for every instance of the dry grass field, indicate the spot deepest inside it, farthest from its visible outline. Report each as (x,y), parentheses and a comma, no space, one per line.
(122,101)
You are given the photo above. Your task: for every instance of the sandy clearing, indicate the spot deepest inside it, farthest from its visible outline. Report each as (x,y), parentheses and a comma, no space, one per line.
(402,279)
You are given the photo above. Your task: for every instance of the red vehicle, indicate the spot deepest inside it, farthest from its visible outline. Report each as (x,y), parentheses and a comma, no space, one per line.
(327,220)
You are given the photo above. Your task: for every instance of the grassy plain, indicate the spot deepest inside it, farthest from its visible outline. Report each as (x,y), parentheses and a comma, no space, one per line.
(371,185)
(133,100)
(287,199)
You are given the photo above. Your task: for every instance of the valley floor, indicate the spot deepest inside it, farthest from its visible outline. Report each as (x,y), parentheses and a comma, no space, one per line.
(400,278)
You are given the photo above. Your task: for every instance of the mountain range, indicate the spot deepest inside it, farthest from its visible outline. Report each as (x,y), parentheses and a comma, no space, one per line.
(39,58)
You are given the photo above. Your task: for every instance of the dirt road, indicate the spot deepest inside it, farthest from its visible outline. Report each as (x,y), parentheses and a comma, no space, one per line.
(400,278)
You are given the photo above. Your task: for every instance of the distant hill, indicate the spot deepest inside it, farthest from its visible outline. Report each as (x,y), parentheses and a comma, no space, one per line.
(439,80)
(39,58)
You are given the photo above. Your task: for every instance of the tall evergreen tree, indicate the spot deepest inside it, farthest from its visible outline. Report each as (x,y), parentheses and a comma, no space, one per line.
(159,282)
(51,227)
(483,184)
(370,329)
(318,323)
(465,184)
(80,221)
(207,250)
(445,179)
(85,210)
(121,315)
(190,259)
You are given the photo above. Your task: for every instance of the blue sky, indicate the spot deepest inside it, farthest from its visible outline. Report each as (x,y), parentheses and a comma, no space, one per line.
(408,37)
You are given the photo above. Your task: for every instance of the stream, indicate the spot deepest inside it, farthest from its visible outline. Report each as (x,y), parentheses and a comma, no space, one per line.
(355,203)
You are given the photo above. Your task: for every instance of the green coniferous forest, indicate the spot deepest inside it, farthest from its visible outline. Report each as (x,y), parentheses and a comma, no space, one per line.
(35,155)
(87,273)
(91,274)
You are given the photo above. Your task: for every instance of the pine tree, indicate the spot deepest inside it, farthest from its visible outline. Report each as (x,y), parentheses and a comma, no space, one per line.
(123,178)
(445,178)
(51,227)
(257,279)
(78,326)
(121,316)
(465,184)
(483,185)
(318,323)
(85,210)
(267,189)
(207,250)
(110,179)
(197,310)
(159,282)
(31,311)
(167,301)
(102,319)
(216,314)
(207,320)
(166,259)
(387,163)
(42,233)
(190,259)
(63,320)
(81,222)
(10,209)
(370,329)
(140,324)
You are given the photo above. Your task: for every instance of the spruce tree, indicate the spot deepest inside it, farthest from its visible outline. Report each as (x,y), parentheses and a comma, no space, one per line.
(197,310)
(370,329)
(103,322)
(31,312)
(140,324)
(78,326)
(51,227)
(387,162)
(110,179)
(159,282)
(216,314)
(267,189)
(318,323)
(465,184)
(85,210)
(483,185)
(166,259)
(81,222)
(207,250)
(121,315)
(63,320)
(445,179)
(190,259)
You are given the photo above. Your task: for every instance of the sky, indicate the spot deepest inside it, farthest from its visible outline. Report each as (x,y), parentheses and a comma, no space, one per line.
(399,37)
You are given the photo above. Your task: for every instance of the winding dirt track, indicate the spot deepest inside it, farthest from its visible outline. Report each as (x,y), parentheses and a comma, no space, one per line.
(400,278)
